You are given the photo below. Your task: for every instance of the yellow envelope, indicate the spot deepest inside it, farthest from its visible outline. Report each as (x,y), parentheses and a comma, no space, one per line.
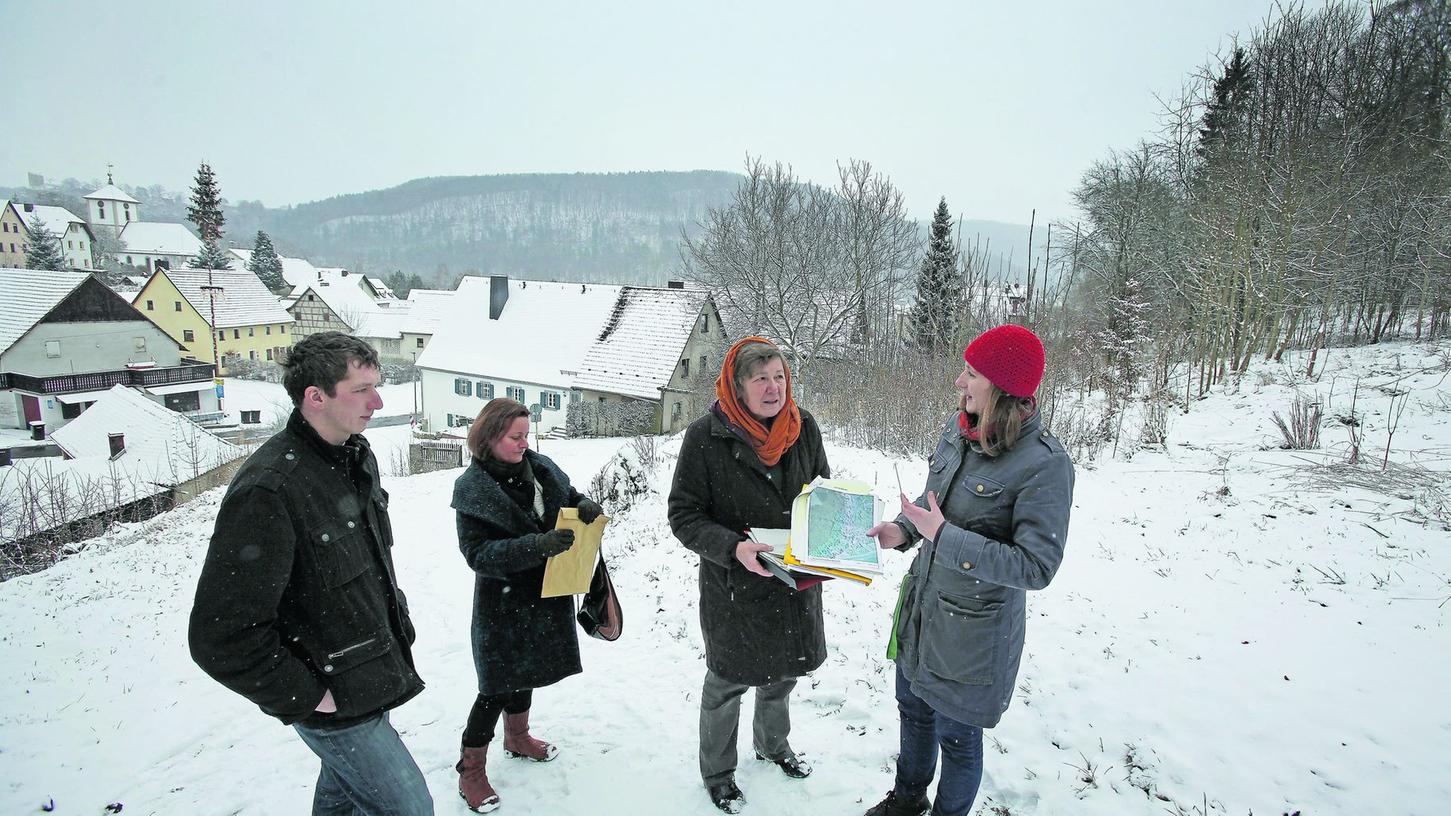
(569,572)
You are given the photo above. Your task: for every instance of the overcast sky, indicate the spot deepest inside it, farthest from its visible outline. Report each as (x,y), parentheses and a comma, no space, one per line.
(998,106)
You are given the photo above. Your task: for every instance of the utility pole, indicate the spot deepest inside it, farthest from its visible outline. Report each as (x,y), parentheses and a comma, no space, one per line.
(212,289)
(414,384)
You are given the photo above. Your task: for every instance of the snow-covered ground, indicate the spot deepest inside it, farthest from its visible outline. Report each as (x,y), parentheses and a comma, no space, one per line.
(1235,629)
(271,399)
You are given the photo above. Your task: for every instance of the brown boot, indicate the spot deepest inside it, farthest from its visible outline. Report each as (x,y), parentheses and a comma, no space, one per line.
(473,781)
(518,743)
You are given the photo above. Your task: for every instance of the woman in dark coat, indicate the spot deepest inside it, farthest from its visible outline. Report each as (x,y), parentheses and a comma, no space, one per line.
(740,467)
(992,522)
(507,502)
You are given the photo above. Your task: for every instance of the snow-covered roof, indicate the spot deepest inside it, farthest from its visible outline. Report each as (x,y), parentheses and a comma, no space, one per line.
(29,295)
(112,193)
(243,301)
(638,350)
(540,336)
(160,238)
(428,308)
(65,490)
(160,442)
(350,300)
(295,271)
(56,219)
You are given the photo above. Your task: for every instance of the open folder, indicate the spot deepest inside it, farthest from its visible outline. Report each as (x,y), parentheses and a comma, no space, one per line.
(569,572)
(782,563)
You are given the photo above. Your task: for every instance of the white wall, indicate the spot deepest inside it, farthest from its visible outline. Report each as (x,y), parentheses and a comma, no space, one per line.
(76,246)
(440,399)
(83,347)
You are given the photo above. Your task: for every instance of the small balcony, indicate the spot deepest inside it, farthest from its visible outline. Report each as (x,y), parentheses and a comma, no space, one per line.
(103,380)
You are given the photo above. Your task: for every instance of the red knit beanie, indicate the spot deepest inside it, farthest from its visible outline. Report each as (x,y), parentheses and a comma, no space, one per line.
(1011,357)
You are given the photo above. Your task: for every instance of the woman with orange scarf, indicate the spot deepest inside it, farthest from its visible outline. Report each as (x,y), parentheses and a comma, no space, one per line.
(740,467)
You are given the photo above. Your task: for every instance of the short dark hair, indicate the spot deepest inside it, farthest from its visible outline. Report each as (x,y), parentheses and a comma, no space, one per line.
(322,360)
(492,423)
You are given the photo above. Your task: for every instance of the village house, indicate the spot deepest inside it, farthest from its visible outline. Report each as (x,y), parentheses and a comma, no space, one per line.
(350,303)
(226,312)
(571,349)
(19,221)
(658,349)
(510,338)
(149,245)
(162,446)
(65,339)
(426,308)
(153,245)
(125,459)
(295,271)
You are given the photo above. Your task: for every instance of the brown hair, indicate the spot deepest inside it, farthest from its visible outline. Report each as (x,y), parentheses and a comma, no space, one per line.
(750,357)
(1002,423)
(492,423)
(322,360)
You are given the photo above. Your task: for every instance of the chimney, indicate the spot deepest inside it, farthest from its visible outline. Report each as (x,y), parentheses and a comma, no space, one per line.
(498,295)
(4,457)
(30,208)
(674,284)
(118,444)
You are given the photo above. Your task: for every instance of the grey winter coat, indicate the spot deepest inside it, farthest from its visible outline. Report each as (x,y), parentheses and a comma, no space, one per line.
(520,640)
(960,631)
(757,630)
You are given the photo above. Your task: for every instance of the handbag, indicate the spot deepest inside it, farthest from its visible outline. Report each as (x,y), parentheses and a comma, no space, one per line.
(599,613)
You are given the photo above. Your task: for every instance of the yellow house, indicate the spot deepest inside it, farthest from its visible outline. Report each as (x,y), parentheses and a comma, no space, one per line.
(232,307)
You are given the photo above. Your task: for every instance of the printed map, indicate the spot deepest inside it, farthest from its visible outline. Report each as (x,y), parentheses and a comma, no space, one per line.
(838,526)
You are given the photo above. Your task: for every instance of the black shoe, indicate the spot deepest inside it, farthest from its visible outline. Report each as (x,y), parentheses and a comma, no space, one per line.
(895,805)
(726,796)
(792,765)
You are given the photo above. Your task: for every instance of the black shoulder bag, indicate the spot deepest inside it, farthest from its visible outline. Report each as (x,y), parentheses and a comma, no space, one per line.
(599,612)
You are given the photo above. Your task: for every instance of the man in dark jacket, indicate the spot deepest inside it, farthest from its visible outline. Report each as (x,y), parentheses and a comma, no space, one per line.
(298,608)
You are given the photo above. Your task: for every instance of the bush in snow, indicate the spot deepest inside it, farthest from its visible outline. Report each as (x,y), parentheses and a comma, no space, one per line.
(626,477)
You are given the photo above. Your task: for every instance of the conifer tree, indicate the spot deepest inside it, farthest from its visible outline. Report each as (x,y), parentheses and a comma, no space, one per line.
(939,287)
(206,205)
(43,251)
(265,263)
(1223,114)
(212,257)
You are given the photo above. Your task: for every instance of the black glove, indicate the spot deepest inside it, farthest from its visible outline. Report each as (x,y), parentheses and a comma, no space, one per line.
(554,542)
(588,510)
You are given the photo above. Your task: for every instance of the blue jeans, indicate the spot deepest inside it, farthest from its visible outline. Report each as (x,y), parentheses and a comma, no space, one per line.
(366,771)
(924,731)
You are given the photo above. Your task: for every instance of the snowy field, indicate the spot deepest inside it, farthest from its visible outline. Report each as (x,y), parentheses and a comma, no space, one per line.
(1236,629)
(272,401)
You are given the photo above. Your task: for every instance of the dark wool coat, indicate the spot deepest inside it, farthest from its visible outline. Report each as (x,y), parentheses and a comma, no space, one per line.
(521,641)
(297,595)
(757,630)
(964,613)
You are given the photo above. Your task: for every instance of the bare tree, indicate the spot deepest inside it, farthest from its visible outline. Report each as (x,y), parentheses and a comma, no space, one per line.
(804,265)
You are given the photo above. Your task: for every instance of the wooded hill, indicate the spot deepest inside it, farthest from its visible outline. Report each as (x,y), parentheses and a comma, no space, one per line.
(602,227)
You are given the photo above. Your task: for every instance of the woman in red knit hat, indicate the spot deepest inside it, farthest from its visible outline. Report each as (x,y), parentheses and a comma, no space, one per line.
(992,521)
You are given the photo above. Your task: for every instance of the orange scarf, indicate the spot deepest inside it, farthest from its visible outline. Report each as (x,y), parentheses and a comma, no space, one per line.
(770,444)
